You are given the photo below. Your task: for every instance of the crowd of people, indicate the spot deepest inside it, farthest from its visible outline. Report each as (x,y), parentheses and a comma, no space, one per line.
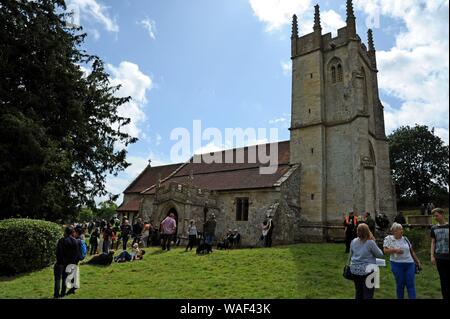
(360,235)
(404,262)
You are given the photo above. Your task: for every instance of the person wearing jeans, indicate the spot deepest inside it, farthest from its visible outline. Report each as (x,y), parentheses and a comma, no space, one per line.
(364,252)
(403,261)
(439,250)
(67,253)
(192,233)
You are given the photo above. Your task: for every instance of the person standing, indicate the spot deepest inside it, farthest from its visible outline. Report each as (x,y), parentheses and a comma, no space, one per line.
(350,224)
(145,233)
(107,236)
(192,233)
(364,252)
(210,229)
(403,261)
(439,250)
(93,241)
(270,227)
(125,231)
(67,253)
(137,231)
(168,229)
(370,222)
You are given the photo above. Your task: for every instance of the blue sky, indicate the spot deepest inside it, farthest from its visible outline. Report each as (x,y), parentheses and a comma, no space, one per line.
(227,63)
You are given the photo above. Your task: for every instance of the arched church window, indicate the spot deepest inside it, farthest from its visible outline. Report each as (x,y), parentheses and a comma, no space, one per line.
(333,74)
(340,75)
(335,70)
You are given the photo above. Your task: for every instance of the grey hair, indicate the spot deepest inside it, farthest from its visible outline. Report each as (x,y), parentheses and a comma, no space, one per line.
(396,226)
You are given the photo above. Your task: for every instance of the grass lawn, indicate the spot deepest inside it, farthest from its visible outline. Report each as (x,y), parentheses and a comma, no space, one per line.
(290,272)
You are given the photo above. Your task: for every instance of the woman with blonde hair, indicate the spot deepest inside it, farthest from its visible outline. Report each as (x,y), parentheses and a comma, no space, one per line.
(404,261)
(364,252)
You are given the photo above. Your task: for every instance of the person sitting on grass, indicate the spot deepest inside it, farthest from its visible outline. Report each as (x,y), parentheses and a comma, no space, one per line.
(125,256)
(102,259)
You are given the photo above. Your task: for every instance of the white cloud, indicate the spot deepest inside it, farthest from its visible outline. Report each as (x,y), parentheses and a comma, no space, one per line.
(117,184)
(91,10)
(331,22)
(150,26)
(133,83)
(278,120)
(158,139)
(415,70)
(277,13)
(286,67)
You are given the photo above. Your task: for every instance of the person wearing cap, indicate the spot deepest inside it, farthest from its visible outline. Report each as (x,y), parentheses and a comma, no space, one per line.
(210,229)
(350,224)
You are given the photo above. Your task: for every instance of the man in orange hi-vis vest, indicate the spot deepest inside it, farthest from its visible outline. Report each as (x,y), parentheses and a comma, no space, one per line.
(350,224)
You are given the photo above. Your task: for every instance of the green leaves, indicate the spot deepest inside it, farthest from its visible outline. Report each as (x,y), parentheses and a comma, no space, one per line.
(59,129)
(420,163)
(27,244)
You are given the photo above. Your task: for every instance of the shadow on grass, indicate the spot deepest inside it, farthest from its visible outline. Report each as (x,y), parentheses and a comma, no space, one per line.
(158,252)
(11,277)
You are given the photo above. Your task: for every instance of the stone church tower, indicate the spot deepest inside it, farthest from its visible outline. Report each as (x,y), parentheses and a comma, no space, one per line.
(337,130)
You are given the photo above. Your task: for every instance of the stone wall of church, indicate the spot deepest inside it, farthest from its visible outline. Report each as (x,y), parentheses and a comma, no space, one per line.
(260,202)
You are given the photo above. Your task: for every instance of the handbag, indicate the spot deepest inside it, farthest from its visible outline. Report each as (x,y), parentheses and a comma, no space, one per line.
(347,272)
(418,268)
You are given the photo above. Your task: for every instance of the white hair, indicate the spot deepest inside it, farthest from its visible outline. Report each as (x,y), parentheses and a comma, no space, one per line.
(396,226)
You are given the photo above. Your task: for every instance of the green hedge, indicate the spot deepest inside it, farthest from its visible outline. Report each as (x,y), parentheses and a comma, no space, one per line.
(27,244)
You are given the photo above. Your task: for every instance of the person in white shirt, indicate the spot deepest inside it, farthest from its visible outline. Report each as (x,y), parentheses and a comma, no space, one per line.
(403,261)
(192,233)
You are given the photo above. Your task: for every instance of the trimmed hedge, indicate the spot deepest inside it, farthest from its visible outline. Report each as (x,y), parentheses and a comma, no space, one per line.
(27,244)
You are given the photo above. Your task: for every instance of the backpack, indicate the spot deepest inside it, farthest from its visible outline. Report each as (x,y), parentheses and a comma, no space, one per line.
(83,249)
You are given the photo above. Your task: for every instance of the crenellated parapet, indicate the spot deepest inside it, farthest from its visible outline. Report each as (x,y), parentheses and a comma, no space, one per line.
(303,45)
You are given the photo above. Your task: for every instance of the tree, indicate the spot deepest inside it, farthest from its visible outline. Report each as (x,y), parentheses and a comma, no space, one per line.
(420,164)
(60,131)
(86,215)
(106,210)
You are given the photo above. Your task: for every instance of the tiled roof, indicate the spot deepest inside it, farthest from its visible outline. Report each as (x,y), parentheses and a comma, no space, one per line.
(149,177)
(232,176)
(130,206)
(216,176)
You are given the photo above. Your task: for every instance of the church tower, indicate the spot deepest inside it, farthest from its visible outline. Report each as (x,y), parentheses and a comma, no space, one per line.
(337,127)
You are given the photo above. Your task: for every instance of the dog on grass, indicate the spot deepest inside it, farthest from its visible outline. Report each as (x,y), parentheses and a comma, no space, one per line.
(204,248)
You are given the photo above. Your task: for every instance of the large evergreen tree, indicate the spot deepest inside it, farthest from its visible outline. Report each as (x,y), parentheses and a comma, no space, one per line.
(60,131)
(420,164)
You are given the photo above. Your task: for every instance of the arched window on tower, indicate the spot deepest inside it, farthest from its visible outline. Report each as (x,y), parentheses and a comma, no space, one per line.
(340,75)
(333,74)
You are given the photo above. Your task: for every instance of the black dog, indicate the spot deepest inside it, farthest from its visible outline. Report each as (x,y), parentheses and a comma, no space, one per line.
(204,248)
(102,259)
